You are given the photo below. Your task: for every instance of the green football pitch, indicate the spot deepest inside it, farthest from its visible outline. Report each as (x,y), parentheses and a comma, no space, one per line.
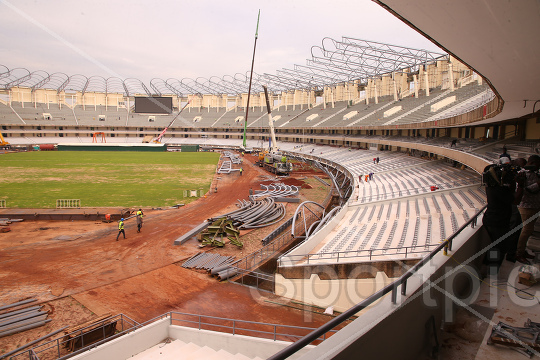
(103,179)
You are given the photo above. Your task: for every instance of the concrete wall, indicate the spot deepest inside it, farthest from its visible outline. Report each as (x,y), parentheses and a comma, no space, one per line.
(342,294)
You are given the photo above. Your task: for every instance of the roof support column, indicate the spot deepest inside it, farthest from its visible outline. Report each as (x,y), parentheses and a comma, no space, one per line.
(451,76)
(395,87)
(426,79)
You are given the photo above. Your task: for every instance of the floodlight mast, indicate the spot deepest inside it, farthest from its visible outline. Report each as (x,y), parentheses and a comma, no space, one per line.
(272,147)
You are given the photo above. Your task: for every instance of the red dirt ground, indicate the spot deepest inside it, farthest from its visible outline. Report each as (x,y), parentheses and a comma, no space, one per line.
(139,276)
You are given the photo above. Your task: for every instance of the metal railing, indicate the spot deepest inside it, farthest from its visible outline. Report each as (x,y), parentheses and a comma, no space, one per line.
(243,327)
(53,349)
(393,287)
(56,348)
(405,252)
(68,203)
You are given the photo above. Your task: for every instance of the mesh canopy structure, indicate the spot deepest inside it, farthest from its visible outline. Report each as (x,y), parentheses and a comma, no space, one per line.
(333,62)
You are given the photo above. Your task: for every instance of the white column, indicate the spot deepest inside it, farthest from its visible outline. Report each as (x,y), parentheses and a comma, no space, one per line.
(367,90)
(426,79)
(451,76)
(415,86)
(376,93)
(395,90)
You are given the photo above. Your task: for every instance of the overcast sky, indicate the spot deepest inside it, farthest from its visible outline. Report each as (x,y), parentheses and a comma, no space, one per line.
(179,39)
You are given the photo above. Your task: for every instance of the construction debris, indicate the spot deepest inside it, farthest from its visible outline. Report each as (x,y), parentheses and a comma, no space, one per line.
(216,233)
(525,339)
(20,320)
(207,261)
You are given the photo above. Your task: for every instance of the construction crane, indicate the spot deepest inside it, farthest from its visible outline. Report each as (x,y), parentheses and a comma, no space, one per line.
(158,139)
(271,159)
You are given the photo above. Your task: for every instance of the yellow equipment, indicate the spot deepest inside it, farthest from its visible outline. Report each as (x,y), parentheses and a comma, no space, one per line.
(3,142)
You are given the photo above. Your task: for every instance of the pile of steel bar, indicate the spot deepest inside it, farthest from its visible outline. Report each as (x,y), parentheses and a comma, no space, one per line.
(255,214)
(275,190)
(207,261)
(20,320)
(216,233)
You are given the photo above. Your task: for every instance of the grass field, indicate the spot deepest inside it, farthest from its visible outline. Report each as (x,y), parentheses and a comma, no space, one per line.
(102,179)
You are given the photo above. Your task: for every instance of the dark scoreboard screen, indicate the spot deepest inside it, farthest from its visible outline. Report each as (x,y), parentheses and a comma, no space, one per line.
(153,105)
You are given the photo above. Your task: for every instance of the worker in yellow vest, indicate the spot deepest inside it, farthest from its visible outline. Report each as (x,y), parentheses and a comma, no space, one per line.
(139,220)
(121,229)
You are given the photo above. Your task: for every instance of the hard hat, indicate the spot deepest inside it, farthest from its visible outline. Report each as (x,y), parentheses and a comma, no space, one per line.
(122,219)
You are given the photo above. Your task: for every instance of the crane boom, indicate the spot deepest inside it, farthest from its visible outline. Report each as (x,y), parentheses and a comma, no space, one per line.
(158,139)
(273,146)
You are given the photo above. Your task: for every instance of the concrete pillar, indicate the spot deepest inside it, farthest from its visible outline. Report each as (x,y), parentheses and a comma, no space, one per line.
(426,79)
(415,80)
(451,76)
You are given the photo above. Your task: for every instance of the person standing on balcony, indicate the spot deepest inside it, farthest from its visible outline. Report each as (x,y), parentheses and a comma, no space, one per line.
(505,154)
(529,207)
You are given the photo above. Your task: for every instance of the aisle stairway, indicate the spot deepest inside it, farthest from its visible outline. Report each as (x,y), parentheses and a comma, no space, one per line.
(179,350)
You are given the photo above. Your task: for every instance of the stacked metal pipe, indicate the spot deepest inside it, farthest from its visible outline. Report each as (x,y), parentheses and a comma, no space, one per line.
(255,214)
(276,190)
(20,320)
(207,261)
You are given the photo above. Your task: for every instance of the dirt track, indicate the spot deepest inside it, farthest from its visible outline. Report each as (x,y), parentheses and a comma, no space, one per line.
(93,274)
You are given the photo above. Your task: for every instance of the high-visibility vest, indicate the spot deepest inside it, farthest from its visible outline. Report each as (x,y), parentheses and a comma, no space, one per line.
(139,213)
(121,225)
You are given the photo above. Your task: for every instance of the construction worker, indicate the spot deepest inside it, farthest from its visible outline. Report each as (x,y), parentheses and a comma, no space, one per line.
(241,170)
(121,229)
(139,220)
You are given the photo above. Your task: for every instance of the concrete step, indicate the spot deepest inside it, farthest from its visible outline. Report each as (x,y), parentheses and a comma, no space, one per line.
(159,351)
